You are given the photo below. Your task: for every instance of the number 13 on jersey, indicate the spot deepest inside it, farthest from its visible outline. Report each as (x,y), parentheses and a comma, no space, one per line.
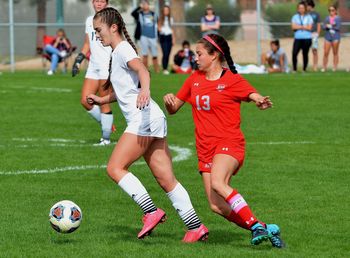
(206,102)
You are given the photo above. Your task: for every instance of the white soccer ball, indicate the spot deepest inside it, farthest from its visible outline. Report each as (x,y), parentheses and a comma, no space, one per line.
(65,216)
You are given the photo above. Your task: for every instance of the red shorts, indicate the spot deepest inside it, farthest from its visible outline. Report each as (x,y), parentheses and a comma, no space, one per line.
(234,148)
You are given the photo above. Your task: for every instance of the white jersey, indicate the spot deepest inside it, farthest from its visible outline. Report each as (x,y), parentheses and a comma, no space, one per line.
(99,55)
(125,84)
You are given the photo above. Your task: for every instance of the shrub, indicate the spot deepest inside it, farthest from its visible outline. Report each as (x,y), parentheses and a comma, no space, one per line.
(226,11)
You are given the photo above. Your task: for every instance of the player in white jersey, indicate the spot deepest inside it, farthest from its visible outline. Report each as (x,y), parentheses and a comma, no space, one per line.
(96,75)
(145,134)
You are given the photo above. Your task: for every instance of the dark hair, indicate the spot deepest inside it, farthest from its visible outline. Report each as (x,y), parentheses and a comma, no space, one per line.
(111,16)
(332,5)
(276,42)
(302,3)
(162,17)
(185,42)
(310,3)
(223,45)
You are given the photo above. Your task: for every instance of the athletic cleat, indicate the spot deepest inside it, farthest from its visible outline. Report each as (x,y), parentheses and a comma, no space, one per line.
(113,128)
(199,234)
(150,221)
(259,234)
(275,235)
(103,142)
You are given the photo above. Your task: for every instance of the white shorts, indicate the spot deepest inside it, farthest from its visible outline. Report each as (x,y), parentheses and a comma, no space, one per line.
(314,41)
(96,73)
(148,44)
(156,128)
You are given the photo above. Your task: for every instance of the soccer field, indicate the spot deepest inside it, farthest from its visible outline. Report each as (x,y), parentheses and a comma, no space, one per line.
(296,172)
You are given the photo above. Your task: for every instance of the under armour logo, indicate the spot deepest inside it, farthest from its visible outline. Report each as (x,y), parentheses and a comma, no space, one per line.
(225,149)
(196,84)
(133,196)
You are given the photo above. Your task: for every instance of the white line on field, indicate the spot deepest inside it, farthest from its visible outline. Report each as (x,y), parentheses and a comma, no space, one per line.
(180,155)
(51,89)
(281,143)
(49,140)
(43,89)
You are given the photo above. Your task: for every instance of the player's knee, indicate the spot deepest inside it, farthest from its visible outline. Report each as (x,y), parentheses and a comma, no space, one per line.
(84,103)
(217,184)
(114,172)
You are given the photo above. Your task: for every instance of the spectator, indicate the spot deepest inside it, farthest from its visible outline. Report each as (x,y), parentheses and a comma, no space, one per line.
(148,33)
(210,23)
(315,31)
(184,60)
(331,25)
(166,36)
(301,25)
(275,59)
(57,49)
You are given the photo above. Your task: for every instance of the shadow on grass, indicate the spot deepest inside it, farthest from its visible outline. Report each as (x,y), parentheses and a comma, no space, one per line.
(63,241)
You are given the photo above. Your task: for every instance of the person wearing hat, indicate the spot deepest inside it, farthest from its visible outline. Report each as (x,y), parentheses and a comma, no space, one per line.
(210,23)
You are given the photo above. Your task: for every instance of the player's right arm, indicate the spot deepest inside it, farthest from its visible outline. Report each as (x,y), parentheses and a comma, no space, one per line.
(172,103)
(81,56)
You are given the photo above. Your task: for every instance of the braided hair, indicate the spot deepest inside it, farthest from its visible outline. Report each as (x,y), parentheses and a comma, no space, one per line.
(224,51)
(111,16)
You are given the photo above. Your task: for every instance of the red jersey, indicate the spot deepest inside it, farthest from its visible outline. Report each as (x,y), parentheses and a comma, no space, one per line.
(215,107)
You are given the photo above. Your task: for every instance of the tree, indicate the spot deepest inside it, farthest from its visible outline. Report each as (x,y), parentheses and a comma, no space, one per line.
(41,18)
(177,10)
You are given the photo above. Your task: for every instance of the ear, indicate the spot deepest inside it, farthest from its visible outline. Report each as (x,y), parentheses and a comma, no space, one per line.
(114,28)
(215,56)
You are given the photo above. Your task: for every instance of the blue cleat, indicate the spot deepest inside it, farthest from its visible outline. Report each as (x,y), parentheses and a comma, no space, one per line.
(275,235)
(259,234)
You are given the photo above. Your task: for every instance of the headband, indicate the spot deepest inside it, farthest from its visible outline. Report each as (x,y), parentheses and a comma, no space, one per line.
(211,41)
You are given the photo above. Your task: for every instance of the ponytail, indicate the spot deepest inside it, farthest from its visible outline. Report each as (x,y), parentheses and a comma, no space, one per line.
(111,16)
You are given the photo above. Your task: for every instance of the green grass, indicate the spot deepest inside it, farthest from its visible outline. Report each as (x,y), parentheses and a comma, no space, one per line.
(296,172)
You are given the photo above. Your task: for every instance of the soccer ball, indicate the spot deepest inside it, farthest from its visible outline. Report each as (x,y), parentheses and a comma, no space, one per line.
(65,216)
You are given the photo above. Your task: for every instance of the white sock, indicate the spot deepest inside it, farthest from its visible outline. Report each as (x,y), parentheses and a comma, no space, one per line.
(106,123)
(134,188)
(95,112)
(182,204)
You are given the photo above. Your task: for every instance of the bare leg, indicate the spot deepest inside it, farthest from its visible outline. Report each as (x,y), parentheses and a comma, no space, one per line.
(155,64)
(145,61)
(104,108)
(216,202)
(90,86)
(335,48)
(327,47)
(315,59)
(158,158)
(129,148)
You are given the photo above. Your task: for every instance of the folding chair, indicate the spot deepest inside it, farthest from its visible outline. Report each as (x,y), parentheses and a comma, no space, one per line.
(45,57)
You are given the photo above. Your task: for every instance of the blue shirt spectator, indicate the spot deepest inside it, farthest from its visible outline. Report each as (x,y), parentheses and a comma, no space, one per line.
(302,20)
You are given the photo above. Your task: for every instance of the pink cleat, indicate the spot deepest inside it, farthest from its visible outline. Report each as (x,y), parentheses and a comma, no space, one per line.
(150,221)
(199,234)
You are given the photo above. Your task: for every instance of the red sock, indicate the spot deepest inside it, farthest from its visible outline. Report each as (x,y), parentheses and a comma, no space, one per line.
(233,217)
(241,209)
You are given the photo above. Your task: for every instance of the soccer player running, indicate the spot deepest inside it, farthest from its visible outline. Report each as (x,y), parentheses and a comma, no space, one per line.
(96,75)
(146,130)
(215,94)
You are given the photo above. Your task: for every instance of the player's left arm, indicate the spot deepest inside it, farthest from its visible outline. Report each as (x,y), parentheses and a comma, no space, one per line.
(262,102)
(144,96)
(93,99)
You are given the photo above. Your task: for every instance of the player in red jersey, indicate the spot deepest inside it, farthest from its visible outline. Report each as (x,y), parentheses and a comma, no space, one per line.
(215,94)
